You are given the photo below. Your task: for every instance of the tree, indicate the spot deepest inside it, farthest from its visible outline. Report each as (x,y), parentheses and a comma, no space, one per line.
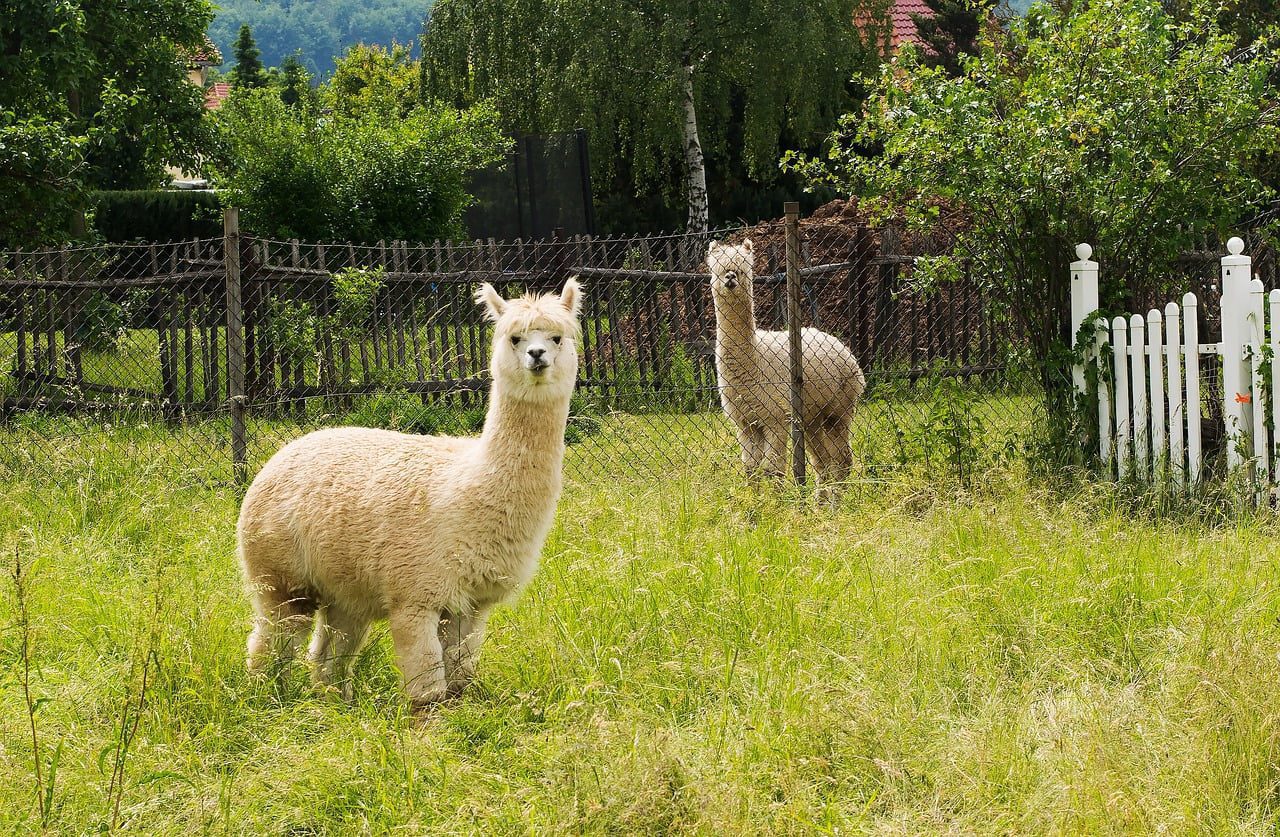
(95,95)
(952,30)
(660,86)
(351,176)
(296,81)
(371,78)
(248,70)
(1118,126)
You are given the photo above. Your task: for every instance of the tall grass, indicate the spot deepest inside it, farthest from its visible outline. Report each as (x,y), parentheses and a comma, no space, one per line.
(696,654)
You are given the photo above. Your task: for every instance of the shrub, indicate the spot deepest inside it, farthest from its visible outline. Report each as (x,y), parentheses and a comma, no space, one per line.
(297,173)
(156,215)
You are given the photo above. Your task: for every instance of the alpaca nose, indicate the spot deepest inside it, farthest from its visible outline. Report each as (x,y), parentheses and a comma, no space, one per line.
(731,280)
(537,354)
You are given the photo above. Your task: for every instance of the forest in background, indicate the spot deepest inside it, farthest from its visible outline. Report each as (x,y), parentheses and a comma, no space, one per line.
(321,30)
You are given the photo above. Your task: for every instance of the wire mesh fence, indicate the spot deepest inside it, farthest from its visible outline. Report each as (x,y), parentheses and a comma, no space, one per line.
(136,352)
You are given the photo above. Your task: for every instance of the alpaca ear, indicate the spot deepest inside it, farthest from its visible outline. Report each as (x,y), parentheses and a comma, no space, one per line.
(495,306)
(712,249)
(747,245)
(571,296)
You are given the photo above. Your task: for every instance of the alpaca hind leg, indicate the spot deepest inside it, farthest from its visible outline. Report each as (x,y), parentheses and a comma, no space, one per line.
(334,648)
(835,457)
(280,623)
(415,633)
(460,659)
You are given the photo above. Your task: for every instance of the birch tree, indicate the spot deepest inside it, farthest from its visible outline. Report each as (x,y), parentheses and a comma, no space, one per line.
(660,85)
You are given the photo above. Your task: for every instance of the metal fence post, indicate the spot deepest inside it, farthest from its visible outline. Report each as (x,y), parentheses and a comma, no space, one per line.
(792,210)
(235,342)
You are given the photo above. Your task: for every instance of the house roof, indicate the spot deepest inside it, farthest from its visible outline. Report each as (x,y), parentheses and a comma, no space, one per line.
(216,94)
(904,25)
(205,55)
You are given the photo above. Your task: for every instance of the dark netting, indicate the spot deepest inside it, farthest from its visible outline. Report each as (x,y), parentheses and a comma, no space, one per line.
(124,351)
(544,185)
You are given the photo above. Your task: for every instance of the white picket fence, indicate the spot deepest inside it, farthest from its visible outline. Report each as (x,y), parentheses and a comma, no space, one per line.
(1149,383)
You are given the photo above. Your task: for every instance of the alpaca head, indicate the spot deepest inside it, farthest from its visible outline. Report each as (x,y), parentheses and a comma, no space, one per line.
(732,268)
(535,341)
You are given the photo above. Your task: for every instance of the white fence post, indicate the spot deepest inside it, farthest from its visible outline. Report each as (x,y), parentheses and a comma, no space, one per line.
(1257,386)
(1138,392)
(1155,371)
(1191,361)
(1274,384)
(1084,304)
(1177,420)
(1237,389)
(1120,360)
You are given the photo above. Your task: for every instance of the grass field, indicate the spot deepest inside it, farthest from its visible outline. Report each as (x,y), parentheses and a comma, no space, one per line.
(695,655)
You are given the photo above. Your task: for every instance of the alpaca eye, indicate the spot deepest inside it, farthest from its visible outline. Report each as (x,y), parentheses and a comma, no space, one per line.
(556,340)
(515,340)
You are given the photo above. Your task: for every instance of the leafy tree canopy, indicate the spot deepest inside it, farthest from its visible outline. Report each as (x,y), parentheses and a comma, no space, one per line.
(374,79)
(1118,125)
(765,75)
(95,95)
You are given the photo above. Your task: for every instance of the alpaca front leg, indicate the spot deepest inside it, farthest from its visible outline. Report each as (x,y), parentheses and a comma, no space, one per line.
(751,439)
(416,635)
(775,451)
(460,660)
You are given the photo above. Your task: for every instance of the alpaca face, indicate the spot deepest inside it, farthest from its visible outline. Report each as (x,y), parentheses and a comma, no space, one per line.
(732,269)
(535,341)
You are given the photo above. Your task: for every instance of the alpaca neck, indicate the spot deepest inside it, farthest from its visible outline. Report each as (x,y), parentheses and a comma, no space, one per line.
(522,438)
(735,330)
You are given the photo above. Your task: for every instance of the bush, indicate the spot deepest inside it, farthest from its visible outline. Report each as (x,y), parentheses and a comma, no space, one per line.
(298,173)
(156,215)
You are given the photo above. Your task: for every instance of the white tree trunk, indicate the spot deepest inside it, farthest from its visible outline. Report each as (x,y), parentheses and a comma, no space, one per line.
(697,170)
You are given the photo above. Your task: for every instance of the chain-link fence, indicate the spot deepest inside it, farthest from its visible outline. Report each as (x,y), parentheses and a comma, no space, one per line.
(187,356)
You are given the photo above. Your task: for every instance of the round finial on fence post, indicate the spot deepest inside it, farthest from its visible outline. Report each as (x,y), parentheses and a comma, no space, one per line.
(1235,245)
(1084,251)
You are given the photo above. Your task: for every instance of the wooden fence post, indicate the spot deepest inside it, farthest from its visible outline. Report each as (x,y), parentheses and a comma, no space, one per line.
(792,210)
(235,342)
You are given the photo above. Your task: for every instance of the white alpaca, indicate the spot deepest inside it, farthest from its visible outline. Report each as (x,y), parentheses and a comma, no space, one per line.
(754,374)
(350,525)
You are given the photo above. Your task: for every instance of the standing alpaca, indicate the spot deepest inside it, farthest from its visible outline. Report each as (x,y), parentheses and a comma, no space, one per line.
(755,377)
(350,525)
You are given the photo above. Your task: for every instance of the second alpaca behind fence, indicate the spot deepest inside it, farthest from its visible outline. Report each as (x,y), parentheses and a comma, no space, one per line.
(349,525)
(754,376)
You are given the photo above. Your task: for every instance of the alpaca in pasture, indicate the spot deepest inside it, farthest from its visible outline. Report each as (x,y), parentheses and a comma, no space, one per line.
(754,374)
(349,525)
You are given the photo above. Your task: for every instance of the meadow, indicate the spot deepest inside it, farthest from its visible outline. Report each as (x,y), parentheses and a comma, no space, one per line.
(941,653)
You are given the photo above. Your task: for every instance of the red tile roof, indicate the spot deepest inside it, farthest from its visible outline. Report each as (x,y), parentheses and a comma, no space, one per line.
(904,25)
(216,95)
(205,55)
